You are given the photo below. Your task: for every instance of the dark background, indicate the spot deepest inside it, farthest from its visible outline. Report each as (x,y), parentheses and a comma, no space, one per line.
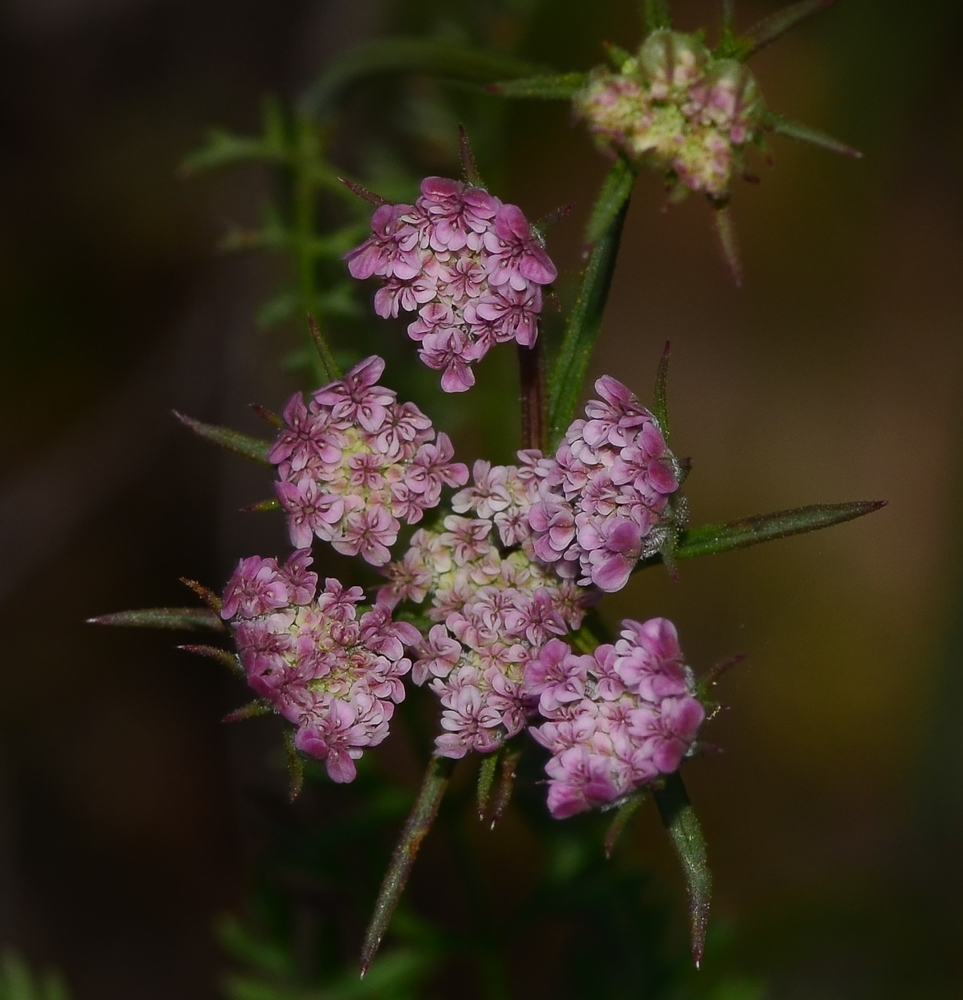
(834,814)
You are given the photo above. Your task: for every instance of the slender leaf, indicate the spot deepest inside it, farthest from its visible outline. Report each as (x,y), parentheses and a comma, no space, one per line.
(584,321)
(766,31)
(243,444)
(419,822)
(616,189)
(190,619)
(803,133)
(222,656)
(556,87)
(710,539)
(660,397)
(413,55)
(486,778)
(728,242)
(680,821)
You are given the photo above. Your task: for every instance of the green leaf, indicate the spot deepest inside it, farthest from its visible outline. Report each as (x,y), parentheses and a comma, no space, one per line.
(616,189)
(190,619)
(419,822)
(622,817)
(660,397)
(243,444)
(585,319)
(486,778)
(556,87)
(710,539)
(409,55)
(680,821)
(766,31)
(803,133)
(655,15)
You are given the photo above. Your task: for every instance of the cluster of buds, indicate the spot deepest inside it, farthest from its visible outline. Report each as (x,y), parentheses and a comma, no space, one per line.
(469,265)
(604,501)
(494,604)
(678,109)
(617,718)
(354,462)
(333,675)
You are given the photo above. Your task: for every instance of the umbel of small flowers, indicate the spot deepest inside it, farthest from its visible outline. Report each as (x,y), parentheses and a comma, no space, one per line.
(353,463)
(678,109)
(469,265)
(494,603)
(525,553)
(617,718)
(335,675)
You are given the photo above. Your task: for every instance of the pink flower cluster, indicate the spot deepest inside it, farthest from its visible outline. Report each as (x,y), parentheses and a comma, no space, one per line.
(353,463)
(336,677)
(617,718)
(495,607)
(677,108)
(604,501)
(469,265)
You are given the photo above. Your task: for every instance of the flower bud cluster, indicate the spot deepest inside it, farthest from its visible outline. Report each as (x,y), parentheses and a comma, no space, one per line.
(468,264)
(677,109)
(353,463)
(495,607)
(604,501)
(617,718)
(332,674)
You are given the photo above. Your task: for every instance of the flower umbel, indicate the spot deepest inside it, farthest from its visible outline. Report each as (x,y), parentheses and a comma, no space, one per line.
(604,502)
(353,463)
(616,719)
(678,109)
(469,265)
(334,675)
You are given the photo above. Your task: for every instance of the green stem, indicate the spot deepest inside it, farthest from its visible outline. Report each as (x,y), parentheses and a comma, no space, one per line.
(418,824)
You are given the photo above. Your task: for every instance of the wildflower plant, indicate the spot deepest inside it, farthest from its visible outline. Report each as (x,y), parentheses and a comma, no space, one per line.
(490,582)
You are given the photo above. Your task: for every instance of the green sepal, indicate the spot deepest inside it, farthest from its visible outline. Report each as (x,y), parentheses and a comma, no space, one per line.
(329,367)
(212,600)
(585,318)
(680,821)
(188,619)
(803,133)
(621,819)
(558,87)
(711,539)
(243,444)
(766,31)
(486,779)
(422,815)
(612,199)
(409,55)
